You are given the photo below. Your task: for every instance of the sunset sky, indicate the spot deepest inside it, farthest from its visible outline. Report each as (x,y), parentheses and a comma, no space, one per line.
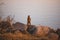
(44,12)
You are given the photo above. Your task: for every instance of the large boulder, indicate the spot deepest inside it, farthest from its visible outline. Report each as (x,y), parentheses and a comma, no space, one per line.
(58,32)
(42,30)
(53,36)
(20,26)
(31,29)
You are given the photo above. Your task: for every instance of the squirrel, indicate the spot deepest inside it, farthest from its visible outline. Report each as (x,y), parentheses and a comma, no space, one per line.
(28,20)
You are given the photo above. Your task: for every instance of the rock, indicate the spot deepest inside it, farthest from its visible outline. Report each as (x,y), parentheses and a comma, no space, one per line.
(53,36)
(31,29)
(20,26)
(42,30)
(58,32)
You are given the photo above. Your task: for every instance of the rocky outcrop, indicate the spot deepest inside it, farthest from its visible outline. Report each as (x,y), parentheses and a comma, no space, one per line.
(53,36)
(20,26)
(32,29)
(42,30)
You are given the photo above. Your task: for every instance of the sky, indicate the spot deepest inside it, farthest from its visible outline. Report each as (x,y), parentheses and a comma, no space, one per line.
(42,12)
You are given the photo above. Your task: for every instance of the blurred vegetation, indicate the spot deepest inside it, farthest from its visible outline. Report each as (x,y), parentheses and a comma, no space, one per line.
(20,31)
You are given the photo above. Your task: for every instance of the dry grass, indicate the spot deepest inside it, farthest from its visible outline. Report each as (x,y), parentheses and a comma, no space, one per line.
(17,35)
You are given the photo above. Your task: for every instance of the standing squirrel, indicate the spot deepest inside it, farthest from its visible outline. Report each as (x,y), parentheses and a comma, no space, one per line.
(28,20)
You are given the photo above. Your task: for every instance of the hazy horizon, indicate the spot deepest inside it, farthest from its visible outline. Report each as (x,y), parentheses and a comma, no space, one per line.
(44,12)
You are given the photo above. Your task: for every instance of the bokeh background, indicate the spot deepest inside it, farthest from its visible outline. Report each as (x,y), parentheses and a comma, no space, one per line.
(42,12)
